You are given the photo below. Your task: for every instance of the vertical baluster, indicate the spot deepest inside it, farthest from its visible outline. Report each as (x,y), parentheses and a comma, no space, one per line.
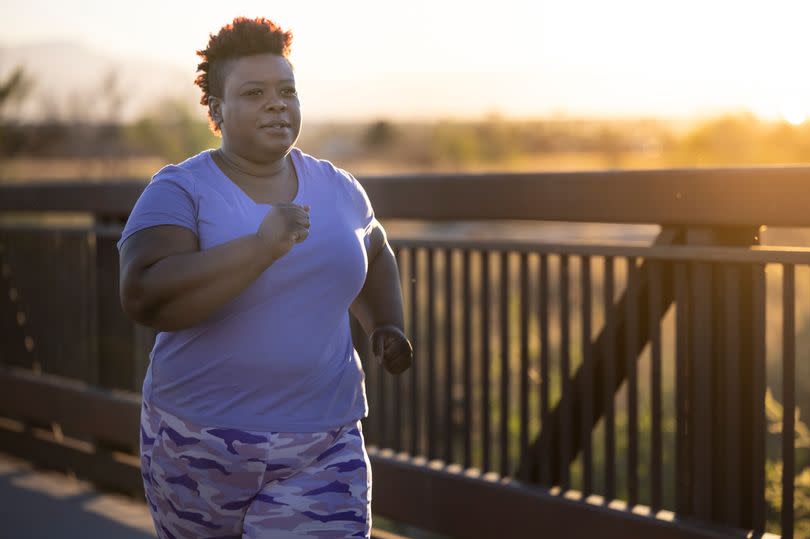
(587,370)
(788,397)
(431,359)
(524,358)
(417,364)
(485,356)
(396,419)
(631,338)
(543,301)
(504,405)
(683,466)
(656,458)
(732,400)
(449,430)
(609,381)
(701,387)
(467,361)
(565,374)
(759,378)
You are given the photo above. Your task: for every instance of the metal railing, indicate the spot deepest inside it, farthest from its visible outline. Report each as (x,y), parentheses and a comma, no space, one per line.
(582,389)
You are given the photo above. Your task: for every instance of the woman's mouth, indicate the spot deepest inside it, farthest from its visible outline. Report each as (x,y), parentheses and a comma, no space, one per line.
(275,125)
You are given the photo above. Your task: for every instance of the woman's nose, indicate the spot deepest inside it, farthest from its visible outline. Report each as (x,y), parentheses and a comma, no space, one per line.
(275,103)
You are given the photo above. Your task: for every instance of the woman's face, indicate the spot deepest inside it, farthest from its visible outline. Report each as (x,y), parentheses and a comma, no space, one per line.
(260,112)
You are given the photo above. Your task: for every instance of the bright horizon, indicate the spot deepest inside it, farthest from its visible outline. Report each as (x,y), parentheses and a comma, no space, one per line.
(515,58)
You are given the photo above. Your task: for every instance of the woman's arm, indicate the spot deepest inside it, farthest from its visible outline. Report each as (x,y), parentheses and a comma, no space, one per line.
(168,283)
(380,301)
(378,307)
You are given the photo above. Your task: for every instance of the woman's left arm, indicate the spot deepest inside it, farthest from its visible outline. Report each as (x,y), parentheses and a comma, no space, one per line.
(378,306)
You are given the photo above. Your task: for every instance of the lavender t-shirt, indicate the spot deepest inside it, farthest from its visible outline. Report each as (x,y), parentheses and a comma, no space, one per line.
(279,356)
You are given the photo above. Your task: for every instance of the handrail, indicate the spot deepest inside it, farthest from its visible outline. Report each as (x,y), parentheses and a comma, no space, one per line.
(773,196)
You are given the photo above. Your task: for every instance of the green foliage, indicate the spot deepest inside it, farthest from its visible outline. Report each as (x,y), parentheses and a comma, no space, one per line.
(773,471)
(172,131)
(801,502)
(774,412)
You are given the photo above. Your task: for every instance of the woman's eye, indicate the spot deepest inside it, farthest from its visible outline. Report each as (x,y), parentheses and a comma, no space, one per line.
(289,91)
(254,91)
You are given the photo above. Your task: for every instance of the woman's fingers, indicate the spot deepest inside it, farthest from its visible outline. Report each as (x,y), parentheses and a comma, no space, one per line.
(397,354)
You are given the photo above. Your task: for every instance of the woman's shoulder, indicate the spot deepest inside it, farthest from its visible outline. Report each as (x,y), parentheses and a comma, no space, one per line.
(327,174)
(323,168)
(183,174)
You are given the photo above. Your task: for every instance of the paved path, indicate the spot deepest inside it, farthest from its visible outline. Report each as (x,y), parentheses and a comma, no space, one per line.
(41,504)
(37,504)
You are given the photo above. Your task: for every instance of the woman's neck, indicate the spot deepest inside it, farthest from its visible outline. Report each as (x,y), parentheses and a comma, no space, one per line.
(252,170)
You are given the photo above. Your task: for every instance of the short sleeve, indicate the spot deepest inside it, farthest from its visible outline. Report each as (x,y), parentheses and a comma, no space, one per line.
(169,199)
(363,207)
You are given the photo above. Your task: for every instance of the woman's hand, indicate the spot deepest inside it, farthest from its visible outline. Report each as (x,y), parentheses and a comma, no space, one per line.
(282,227)
(392,349)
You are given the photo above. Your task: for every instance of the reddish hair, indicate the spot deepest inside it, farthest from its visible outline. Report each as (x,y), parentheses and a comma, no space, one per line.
(243,37)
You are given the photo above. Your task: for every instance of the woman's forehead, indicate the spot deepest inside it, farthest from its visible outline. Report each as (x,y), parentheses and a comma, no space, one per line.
(259,67)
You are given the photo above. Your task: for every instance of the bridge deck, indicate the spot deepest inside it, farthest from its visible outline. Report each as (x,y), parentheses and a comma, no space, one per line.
(39,504)
(43,504)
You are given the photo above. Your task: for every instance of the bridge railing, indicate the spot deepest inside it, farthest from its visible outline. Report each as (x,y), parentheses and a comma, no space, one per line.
(559,387)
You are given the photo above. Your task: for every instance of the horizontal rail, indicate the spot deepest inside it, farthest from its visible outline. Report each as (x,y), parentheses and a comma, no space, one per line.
(103,414)
(748,196)
(754,254)
(449,500)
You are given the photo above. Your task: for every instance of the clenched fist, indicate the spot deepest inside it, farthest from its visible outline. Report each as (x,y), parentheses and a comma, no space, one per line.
(390,346)
(282,227)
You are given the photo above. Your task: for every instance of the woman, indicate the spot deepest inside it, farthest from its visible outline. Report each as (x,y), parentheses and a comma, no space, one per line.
(247,259)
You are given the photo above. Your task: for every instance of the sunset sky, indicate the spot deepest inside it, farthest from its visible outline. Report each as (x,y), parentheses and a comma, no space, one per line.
(461,58)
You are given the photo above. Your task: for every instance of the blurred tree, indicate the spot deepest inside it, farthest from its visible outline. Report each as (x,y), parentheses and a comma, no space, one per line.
(172,131)
(13,90)
(611,143)
(380,134)
(727,140)
(455,144)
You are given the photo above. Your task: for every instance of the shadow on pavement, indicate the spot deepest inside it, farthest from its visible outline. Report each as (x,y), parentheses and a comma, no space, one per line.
(38,504)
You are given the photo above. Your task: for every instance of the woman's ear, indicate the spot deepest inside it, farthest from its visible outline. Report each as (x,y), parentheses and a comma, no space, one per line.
(215,109)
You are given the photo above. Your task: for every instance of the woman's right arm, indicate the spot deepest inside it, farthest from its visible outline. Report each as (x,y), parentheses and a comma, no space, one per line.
(168,283)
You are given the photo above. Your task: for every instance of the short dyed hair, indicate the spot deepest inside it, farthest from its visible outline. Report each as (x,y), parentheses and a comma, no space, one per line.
(243,37)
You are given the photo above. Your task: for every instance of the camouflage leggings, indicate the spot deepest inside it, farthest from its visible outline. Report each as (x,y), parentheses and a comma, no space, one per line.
(207,482)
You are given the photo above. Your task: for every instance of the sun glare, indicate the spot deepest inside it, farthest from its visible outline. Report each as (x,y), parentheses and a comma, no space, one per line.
(794,114)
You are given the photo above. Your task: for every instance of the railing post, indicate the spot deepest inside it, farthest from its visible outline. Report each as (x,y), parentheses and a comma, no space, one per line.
(721,427)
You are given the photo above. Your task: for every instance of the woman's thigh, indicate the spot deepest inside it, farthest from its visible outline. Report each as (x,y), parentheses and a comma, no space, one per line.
(198,481)
(329,497)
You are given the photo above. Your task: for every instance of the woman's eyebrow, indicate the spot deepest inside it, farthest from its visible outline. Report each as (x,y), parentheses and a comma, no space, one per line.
(263,82)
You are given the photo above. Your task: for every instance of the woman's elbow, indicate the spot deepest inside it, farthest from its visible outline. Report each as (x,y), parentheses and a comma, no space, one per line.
(134,301)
